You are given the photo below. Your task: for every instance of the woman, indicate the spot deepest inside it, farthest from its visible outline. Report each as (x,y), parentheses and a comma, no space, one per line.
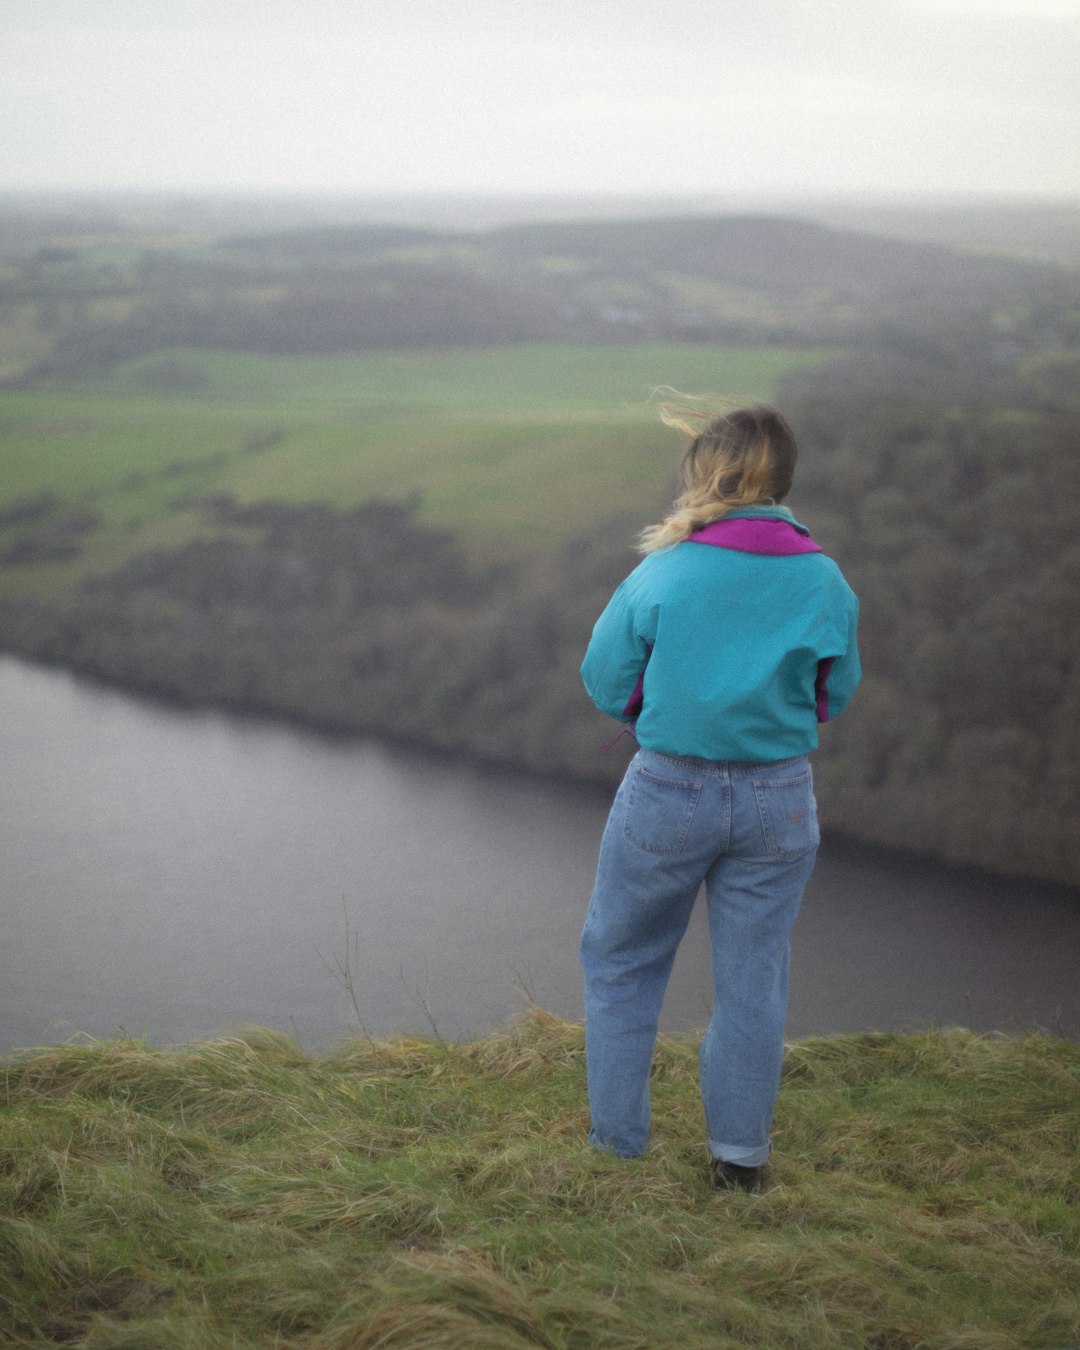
(723,650)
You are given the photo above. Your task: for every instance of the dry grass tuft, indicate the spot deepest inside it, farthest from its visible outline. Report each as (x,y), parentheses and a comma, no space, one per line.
(446,1302)
(534,1043)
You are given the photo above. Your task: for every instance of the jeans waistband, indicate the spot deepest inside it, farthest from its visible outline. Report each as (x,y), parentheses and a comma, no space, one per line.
(730,768)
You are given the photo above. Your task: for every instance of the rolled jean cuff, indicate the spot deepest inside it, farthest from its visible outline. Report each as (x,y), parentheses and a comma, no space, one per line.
(741,1157)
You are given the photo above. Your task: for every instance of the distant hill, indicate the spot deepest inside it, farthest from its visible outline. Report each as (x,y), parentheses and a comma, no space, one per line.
(769,253)
(78,302)
(1039,230)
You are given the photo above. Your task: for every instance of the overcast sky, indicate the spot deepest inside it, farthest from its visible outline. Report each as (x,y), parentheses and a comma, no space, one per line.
(548,96)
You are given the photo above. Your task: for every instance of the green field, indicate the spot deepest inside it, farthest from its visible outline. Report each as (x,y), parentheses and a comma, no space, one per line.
(514,447)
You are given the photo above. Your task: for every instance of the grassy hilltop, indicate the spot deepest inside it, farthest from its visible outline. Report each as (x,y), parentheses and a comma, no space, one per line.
(423,1196)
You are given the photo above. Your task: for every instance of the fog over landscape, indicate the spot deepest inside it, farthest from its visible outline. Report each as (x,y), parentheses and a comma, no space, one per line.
(745,102)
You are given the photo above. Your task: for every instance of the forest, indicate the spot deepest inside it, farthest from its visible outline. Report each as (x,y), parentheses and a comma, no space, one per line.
(933,390)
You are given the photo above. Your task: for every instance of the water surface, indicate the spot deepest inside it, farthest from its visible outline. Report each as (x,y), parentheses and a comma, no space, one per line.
(178,873)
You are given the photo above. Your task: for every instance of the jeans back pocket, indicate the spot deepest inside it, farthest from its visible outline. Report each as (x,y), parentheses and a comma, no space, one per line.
(788,815)
(659,811)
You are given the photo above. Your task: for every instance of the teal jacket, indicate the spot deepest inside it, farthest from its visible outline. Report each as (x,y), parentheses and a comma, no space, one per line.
(732,645)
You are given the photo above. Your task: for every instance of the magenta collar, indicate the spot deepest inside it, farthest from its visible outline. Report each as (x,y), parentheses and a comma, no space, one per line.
(756,534)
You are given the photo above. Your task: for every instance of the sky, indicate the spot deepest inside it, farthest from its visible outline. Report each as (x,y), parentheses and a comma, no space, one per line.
(665,97)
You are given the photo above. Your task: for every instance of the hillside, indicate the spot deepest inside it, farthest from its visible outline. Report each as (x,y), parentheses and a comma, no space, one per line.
(427,1196)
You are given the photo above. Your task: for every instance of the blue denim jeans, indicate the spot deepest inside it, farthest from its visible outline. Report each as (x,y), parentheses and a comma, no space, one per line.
(749,832)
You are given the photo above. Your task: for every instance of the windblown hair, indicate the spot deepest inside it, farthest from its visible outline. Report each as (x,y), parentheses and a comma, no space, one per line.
(744,457)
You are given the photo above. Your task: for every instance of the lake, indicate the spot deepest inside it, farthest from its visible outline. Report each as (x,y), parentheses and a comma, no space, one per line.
(178,874)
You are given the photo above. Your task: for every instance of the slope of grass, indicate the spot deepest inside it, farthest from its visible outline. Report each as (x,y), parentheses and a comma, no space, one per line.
(419,1195)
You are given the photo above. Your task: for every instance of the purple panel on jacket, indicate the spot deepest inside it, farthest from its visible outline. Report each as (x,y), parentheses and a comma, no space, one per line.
(756,534)
(636,701)
(821,688)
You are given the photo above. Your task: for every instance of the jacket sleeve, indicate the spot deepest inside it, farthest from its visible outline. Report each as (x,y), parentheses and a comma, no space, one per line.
(844,671)
(615,661)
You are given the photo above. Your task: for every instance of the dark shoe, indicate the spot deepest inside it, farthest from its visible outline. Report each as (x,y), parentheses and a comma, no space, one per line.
(729,1176)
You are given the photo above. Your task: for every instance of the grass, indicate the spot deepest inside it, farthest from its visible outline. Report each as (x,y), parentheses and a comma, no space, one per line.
(429,1196)
(513,447)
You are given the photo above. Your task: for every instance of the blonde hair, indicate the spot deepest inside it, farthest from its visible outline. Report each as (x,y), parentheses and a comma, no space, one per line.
(741,457)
